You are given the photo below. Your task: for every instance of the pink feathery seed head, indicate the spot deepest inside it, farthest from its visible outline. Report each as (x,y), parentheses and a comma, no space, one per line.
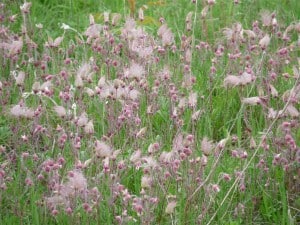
(211,2)
(60,111)
(171,207)
(25,155)
(264,42)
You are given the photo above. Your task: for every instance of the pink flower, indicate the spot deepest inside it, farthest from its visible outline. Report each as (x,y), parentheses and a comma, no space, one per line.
(93,31)
(192,100)
(264,42)
(20,78)
(60,111)
(25,7)
(252,101)
(15,47)
(170,207)
(89,127)
(22,111)
(207,146)
(244,79)
(102,150)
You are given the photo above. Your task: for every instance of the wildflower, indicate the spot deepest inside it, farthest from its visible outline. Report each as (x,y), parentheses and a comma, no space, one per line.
(204,12)
(251,34)
(134,94)
(13,18)
(25,7)
(292,111)
(234,33)
(55,201)
(252,143)
(141,14)
(36,87)
(167,157)
(146,181)
(188,21)
(141,132)
(20,78)
(87,207)
(264,42)
(22,111)
(102,150)
(136,71)
(239,210)
(216,188)
(136,156)
(53,44)
(266,18)
(106,17)
(76,182)
(54,212)
(93,31)
(24,138)
(69,210)
(221,144)
(84,70)
(39,26)
(196,115)
(89,92)
(232,81)
(211,2)
(46,86)
(60,111)
(170,207)
(192,100)
(89,127)
(115,19)
(82,120)
(252,101)
(28,181)
(166,35)
(274,92)
(206,146)
(226,177)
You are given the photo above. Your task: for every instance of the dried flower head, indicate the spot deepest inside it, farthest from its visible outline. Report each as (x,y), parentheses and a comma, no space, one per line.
(207,146)
(264,42)
(20,78)
(89,127)
(170,207)
(60,111)
(22,111)
(102,150)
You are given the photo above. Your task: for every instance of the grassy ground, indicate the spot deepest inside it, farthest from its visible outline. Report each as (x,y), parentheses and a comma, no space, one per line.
(172,137)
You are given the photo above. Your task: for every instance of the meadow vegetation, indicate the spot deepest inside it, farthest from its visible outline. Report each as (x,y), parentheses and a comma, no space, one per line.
(150,112)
